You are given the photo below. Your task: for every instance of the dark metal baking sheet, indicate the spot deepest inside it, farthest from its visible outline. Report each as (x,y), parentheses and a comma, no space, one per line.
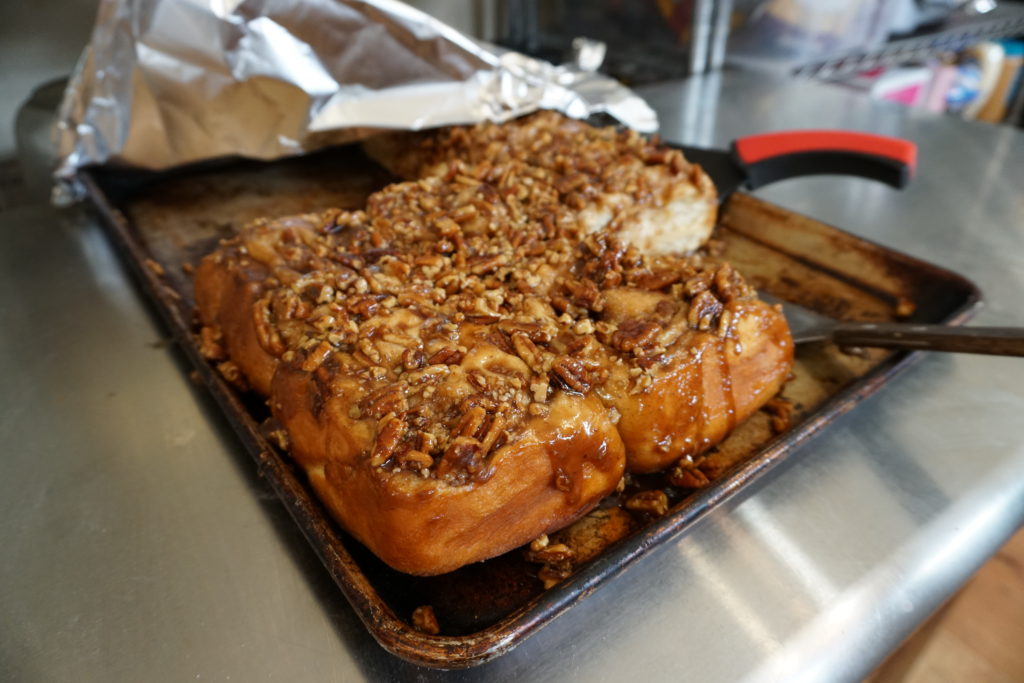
(164,223)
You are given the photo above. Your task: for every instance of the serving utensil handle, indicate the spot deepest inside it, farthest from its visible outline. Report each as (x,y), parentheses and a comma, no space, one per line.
(768,157)
(995,341)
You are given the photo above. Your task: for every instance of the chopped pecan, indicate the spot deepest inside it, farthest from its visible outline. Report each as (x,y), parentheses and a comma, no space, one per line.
(464,213)
(594,373)
(539,543)
(481,265)
(316,357)
(780,413)
(528,351)
(471,423)
(370,350)
(414,460)
(392,429)
(686,476)
(425,621)
(659,280)
(704,309)
(634,334)
(413,359)
(654,503)
(586,294)
(533,331)
(365,305)
(266,333)
(570,373)
(211,343)
(700,282)
(463,455)
(387,399)
(320,292)
(551,576)
(561,304)
(482,319)
(155,267)
(288,305)
(446,356)
(495,431)
(729,284)
(552,553)
(724,322)
(905,307)
(233,374)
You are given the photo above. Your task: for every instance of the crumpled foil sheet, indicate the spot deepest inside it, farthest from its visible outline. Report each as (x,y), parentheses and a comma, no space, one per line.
(169,82)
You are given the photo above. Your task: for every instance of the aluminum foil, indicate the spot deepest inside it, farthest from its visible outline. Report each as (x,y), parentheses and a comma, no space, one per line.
(170,82)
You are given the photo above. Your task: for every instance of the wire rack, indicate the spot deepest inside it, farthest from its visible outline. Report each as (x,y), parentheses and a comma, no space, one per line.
(1006,21)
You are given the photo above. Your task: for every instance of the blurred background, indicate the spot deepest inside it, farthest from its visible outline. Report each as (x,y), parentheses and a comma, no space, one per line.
(964,59)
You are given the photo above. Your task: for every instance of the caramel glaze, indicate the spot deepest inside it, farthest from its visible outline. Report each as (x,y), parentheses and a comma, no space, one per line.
(657,389)
(467,364)
(707,386)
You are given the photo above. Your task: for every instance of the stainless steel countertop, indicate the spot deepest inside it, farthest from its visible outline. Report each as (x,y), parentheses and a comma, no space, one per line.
(139,543)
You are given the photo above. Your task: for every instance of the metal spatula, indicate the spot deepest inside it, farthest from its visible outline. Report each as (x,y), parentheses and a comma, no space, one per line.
(809,326)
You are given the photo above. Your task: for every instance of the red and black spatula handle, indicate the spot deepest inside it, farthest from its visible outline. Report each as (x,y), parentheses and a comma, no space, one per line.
(769,157)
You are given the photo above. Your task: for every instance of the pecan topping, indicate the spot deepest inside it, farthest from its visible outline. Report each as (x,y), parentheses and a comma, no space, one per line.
(231,372)
(700,282)
(266,333)
(495,432)
(586,294)
(477,380)
(490,259)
